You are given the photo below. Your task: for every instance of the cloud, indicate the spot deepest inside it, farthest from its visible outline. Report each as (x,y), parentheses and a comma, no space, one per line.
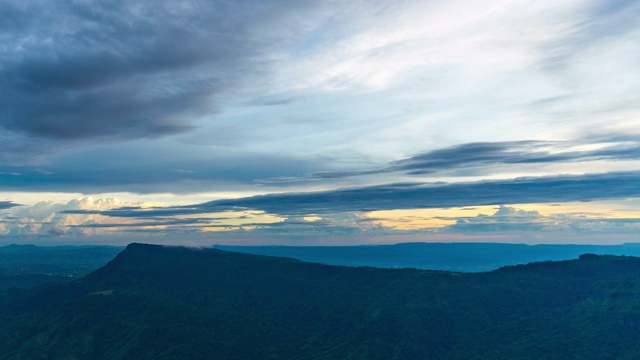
(47,218)
(504,219)
(516,152)
(509,219)
(486,156)
(7,205)
(145,167)
(163,222)
(153,167)
(130,69)
(297,87)
(418,195)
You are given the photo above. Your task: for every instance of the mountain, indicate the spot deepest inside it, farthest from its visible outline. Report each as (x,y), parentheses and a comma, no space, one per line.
(154,302)
(467,257)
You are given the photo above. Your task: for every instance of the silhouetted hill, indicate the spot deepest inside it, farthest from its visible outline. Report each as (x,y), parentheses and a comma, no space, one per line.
(154,302)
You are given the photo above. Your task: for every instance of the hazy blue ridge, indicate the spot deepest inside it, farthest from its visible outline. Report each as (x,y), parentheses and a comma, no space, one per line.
(466,257)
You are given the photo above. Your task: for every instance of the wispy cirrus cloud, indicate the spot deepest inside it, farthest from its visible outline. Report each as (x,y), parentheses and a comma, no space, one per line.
(489,155)
(504,153)
(151,168)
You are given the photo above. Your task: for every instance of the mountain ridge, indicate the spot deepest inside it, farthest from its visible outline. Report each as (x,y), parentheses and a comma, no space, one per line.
(158,302)
(466,257)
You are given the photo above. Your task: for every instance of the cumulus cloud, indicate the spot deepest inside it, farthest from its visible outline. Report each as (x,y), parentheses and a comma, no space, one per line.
(509,219)
(504,219)
(47,218)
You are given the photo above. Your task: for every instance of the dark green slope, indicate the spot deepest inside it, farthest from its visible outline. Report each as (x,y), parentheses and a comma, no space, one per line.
(155,302)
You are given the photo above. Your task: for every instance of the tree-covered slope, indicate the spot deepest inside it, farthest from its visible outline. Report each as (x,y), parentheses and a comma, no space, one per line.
(154,302)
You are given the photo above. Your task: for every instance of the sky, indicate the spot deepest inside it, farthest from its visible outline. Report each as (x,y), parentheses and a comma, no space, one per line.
(319,122)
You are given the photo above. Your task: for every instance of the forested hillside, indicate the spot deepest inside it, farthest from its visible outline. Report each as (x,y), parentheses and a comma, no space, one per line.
(154,302)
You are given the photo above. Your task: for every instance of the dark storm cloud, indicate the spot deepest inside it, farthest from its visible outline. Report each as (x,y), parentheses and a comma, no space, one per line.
(7,205)
(127,69)
(420,195)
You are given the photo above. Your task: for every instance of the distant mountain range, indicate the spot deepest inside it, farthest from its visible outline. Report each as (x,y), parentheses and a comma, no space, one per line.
(154,302)
(26,266)
(468,257)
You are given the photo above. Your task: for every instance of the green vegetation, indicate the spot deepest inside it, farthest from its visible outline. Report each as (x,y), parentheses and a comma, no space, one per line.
(155,302)
(27,266)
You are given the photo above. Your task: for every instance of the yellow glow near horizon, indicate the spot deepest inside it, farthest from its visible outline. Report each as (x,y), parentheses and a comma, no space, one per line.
(597,209)
(551,214)
(415,219)
(237,219)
